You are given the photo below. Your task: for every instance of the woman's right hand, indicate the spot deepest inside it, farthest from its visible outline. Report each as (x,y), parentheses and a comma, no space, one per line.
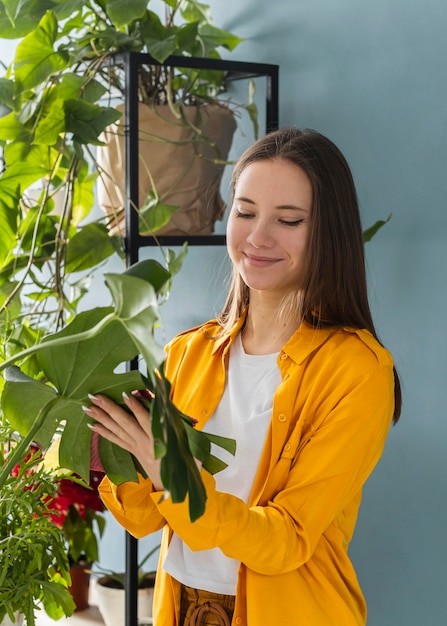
(131,430)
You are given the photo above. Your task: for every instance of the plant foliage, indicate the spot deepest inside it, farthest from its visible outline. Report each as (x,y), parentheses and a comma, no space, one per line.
(34,565)
(82,359)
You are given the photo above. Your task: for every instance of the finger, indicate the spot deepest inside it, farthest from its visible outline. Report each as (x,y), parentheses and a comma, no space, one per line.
(141,413)
(113,418)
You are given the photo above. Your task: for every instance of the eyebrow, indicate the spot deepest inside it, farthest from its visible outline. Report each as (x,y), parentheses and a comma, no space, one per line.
(292,207)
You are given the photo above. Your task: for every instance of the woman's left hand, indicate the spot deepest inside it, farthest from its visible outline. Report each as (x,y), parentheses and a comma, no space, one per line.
(131,430)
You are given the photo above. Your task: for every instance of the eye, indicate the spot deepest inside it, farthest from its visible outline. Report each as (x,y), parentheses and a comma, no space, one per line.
(291,223)
(242,214)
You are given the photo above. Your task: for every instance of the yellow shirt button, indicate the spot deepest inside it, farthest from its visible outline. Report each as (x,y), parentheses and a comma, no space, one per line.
(285,377)
(287,447)
(283,356)
(238,620)
(282,417)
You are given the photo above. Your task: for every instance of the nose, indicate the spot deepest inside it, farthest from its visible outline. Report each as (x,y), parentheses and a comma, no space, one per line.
(260,235)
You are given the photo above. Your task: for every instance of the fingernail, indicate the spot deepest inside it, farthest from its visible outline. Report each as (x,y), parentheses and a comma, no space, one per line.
(93,398)
(88,410)
(91,426)
(125,397)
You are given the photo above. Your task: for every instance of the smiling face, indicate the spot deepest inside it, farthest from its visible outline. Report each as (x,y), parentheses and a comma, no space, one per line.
(268,226)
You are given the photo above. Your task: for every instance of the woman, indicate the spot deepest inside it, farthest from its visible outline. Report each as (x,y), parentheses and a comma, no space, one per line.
(291,369)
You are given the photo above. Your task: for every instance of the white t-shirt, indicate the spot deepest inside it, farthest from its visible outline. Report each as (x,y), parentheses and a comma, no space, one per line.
(243,414)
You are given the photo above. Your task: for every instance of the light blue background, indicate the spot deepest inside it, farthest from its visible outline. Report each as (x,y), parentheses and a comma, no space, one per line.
(370,75)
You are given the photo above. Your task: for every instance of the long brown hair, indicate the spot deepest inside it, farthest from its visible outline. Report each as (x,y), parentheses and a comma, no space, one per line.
(335,289)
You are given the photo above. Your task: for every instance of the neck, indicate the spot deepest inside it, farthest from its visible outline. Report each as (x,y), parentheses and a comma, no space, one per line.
(266,329)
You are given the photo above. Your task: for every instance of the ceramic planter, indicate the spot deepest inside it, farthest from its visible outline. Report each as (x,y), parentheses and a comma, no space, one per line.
(111,603)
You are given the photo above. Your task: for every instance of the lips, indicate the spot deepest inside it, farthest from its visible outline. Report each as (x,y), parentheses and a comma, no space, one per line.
(260,261)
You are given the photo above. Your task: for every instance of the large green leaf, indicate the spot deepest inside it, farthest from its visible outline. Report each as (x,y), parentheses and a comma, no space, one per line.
(36,58)
(82,359)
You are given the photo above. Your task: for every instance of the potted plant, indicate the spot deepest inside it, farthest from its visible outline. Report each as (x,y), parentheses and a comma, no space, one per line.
(78,510)
(110,592)
(59,91)
(34,569)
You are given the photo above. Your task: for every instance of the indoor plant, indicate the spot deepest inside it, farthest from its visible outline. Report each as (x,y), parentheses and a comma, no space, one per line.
(33,559)
(78,510)
(59,86)
(110,592)
(82,359)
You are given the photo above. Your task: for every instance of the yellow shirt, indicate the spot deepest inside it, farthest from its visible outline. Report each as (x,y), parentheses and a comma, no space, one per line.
(331,415)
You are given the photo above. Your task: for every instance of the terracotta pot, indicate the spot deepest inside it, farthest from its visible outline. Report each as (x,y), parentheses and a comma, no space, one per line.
(80,584)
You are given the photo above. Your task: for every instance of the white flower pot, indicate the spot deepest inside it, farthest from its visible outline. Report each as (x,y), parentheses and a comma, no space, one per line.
(111,604)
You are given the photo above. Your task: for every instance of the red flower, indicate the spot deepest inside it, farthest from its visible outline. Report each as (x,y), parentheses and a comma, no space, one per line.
(82,498)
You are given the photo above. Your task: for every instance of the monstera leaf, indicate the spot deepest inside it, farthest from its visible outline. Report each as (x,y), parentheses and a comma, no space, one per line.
(83,359)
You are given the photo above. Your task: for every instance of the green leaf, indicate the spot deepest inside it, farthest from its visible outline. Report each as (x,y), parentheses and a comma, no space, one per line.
(7,92)
(11,128)
(215,37)
(223,442)
(175,262)
(12,182)
(369,233)
(193,11)
(123,12)
(186,37)
(150,271)
(84,198)
(136,305)
(154,214)
(90,246)
(75,86)
(23,401)
(75,369)
(19,17)
(51,125)
(160,41)
(82,359)
(87,120)
(14,308)
(36,58)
